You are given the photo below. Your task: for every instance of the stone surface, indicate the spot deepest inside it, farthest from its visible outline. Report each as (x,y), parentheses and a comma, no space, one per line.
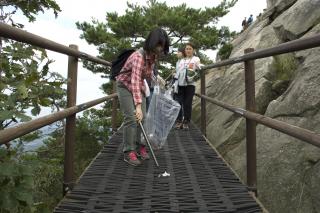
(281,4)
(297,20)
(276,7)
(288,168)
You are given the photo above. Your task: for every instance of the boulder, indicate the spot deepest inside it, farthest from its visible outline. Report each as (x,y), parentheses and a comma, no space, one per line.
(297,20)
(288,169)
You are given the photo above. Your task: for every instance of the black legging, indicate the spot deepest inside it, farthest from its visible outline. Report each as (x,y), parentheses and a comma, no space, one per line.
(184,97)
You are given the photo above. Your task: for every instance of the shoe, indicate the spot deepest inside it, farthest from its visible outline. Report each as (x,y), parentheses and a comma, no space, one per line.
(178,125)
(131,158)
(143,153)
(185,126)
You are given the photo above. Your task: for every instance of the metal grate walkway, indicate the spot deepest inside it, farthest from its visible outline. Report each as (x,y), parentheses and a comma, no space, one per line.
(199,181)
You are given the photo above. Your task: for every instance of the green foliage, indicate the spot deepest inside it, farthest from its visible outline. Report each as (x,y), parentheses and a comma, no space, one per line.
(282,72)
(29,8)
(225,51)
(26,83)
(94,125)
(30,182)
(41,174)
(48,174)
(25,79)
(93,130)
(284,66)
(181,23)
(15,183)
(31,136)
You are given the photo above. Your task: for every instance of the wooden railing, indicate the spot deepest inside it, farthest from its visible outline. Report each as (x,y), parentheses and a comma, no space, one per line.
(72,109)
(250,112)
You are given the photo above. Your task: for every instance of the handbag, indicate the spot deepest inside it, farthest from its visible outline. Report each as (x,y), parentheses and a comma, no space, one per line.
(190,75)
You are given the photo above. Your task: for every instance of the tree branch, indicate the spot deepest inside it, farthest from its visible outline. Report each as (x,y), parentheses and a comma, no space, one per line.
(7,124)
(179,40)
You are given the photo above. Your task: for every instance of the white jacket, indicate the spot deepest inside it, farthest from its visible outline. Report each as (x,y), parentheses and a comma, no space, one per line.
(182,65)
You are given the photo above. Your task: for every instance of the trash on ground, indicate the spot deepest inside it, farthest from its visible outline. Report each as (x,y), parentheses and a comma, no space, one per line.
(165,174)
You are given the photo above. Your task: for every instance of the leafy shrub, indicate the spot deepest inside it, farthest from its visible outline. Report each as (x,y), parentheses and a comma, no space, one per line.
(284,67)
(225,51)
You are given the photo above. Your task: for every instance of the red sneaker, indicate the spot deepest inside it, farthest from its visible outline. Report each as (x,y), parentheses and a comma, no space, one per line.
(143,153)
(131,158)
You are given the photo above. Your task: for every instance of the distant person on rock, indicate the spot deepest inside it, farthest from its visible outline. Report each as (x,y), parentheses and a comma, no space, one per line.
(244,23)
(250,20)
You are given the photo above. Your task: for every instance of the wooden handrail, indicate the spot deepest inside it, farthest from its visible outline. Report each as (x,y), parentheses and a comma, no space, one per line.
(291,46)
(12,133)
(294,131)
(6,135)
(16,34)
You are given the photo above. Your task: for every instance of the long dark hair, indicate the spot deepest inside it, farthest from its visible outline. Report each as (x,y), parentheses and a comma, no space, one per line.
(156,37)
(190,44)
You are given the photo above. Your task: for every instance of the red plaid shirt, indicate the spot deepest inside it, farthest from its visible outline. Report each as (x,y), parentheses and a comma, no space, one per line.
(134,80)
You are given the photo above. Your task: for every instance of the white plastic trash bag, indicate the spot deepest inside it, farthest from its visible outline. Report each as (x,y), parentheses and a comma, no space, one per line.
(147,88)
(162,114)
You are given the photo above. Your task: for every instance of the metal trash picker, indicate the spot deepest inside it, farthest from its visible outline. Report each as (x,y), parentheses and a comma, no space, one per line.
(148,142)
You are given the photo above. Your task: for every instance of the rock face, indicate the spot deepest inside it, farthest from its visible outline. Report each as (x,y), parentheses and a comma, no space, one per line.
(297,20)
(287,89)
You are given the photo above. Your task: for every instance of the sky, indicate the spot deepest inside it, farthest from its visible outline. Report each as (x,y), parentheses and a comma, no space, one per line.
(63,30)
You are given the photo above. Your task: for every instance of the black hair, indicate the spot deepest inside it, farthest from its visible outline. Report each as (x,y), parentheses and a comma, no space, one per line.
(182,50)
(190,44)
(156,37)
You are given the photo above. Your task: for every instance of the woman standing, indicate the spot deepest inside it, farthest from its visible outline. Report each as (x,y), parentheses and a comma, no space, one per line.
(186,71)
(131,89)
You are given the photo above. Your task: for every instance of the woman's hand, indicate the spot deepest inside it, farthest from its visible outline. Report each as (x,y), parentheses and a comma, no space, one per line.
(139,114)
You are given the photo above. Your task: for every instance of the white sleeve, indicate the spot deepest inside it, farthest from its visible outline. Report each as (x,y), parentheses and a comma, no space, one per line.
(177,69)
(197,62)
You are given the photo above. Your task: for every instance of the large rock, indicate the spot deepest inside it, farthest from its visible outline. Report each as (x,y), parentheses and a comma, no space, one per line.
(276,7)
(312,184)
(285,164)
(281,4)
(241,42)
(227,85)
(288,163)
(297,20)
(288,169)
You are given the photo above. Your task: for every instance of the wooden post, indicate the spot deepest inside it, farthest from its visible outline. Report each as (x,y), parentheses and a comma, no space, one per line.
(203,102)
(70,131)
(251,124)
